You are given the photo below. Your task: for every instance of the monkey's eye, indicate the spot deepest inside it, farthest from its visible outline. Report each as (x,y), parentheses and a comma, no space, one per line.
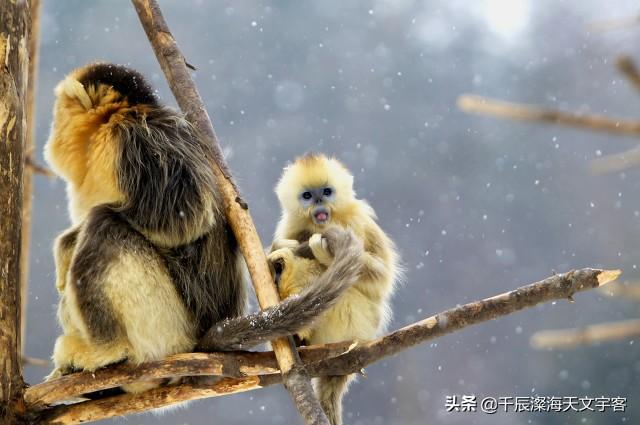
(327,191)
(306,195)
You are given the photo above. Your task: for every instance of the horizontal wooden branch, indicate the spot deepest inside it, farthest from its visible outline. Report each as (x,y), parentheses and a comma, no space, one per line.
(523,112)
(592,334)
(229,364)
(351,361)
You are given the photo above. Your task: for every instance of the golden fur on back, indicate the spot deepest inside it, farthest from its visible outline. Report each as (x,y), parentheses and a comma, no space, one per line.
(82,142)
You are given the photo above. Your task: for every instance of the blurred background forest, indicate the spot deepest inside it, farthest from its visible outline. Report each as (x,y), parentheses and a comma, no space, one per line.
(476,205)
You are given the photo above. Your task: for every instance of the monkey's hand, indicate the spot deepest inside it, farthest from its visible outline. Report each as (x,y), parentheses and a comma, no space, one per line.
(319,244)
(283,243)
(281,263)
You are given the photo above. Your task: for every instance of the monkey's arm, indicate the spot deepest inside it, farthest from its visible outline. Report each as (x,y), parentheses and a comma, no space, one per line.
(378,259)
(373,267)
(296,312)
(63,249)
(282,243)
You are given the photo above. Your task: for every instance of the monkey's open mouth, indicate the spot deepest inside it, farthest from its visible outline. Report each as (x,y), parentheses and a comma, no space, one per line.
(320,216)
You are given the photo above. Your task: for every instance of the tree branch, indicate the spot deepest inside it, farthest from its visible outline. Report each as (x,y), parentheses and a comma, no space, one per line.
(522,112)
(616,162)
(228,364)
(628,68)
(570,338)
(562,286)
(175,69)
(628,290)
(614,24)
(31,164)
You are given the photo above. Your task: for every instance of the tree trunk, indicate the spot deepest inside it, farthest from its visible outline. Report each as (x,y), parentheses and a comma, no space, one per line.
(14,58)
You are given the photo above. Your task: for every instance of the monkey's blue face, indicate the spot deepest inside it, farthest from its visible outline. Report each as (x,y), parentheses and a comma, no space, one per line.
(317,201)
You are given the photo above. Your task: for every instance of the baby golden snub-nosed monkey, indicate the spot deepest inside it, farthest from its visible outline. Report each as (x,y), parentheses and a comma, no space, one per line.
(150,266)
(316,195)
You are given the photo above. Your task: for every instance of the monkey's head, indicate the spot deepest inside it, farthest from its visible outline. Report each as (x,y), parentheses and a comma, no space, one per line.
(83,146)
(316,189)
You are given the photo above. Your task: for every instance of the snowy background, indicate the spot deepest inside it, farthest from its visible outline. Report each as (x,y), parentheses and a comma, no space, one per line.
(476,205)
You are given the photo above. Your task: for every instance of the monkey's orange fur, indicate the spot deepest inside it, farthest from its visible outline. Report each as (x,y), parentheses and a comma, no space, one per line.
(363,311)
(82,142)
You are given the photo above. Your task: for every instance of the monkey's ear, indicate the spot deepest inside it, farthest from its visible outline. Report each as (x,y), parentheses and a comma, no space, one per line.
(73,89)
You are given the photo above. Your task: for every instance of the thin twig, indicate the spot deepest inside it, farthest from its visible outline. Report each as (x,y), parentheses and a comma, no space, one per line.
(517,111)
(616,162)
(628,290)
(561,286)
(30,163)
(592,334)
(174,66)
(628,68)
(34,361)
(614,24)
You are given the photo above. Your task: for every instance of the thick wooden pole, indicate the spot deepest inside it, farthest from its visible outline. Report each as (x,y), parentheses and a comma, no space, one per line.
(174,66)
(14,59)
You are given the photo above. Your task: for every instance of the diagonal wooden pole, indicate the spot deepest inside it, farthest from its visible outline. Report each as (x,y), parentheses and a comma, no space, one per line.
(172,62)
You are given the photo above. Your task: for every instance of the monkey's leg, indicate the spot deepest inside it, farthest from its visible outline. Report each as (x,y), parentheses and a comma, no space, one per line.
(330,390)
(73,352)
(125,292)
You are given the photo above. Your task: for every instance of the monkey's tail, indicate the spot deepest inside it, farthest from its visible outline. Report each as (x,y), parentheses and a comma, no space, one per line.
(330,390)
(295,312)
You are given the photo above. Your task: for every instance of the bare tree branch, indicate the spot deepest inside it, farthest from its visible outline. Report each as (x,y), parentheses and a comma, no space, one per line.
(34,361)
(176,71)
(570,338)
(522,112)
(614,24)
(627,290)
(353,360)
(229,364)
(628,68)
(31,164)
(616,162)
